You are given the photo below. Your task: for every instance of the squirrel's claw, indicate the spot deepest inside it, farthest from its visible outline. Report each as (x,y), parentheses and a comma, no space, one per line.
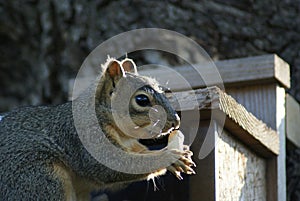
(174,171)
(183,164)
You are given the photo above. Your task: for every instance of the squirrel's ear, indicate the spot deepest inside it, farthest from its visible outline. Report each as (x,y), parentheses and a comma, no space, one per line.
(114,69)
(129,66)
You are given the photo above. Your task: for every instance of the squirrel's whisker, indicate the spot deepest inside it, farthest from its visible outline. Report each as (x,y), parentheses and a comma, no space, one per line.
(156,123)
(152,108)
(167,82)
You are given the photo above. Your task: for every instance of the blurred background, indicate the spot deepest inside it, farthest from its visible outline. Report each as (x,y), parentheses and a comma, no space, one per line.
(43,43)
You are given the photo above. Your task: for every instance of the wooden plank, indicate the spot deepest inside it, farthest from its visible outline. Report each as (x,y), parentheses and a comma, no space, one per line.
(234,72)
(255,70)
(272,179)
(280,113)
(267,102)
(239,121)
(241,173)
(292,120)
(258,99)
(282,72)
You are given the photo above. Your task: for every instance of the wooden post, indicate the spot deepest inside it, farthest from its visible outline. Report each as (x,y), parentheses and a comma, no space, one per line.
(239,167)
(293,121)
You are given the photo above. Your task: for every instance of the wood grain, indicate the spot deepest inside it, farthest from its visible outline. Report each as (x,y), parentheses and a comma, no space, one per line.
(244,125)
(233,72)
(240,173)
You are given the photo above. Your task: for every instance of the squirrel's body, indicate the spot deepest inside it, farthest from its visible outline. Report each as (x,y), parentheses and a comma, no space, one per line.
(43,158)
(29,156)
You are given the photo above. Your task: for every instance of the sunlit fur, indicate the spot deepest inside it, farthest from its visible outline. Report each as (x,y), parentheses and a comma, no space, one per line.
(139,115)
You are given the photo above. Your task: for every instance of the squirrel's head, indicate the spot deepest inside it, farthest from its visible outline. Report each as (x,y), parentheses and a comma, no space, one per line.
(135,105)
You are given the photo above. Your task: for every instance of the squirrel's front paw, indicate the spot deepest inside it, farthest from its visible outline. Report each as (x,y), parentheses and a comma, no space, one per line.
(183,155)
(184,163)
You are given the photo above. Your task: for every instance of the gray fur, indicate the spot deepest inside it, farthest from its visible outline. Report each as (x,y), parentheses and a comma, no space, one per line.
(33,139)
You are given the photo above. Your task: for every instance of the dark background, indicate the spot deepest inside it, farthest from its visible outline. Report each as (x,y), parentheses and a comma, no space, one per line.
(43,43)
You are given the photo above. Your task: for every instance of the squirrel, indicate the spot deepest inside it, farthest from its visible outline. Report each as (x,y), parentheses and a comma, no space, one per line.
(43,158)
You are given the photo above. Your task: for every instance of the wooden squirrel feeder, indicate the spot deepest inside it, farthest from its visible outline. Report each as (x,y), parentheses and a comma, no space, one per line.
(248,159)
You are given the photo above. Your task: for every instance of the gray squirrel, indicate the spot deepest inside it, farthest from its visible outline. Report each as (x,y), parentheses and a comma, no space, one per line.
(43,158)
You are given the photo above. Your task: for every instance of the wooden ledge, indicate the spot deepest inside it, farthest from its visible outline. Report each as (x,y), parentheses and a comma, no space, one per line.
(238,121)
(256,70)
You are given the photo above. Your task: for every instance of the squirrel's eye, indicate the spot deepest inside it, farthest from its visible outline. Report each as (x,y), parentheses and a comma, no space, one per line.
(142,100)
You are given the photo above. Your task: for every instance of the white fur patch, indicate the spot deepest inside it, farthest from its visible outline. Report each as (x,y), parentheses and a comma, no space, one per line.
(1,117)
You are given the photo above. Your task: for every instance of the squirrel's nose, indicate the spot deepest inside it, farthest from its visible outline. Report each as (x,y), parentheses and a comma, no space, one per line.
(176,122)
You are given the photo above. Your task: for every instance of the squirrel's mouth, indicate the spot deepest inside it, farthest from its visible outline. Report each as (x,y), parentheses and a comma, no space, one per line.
(159,142)
(155,143)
